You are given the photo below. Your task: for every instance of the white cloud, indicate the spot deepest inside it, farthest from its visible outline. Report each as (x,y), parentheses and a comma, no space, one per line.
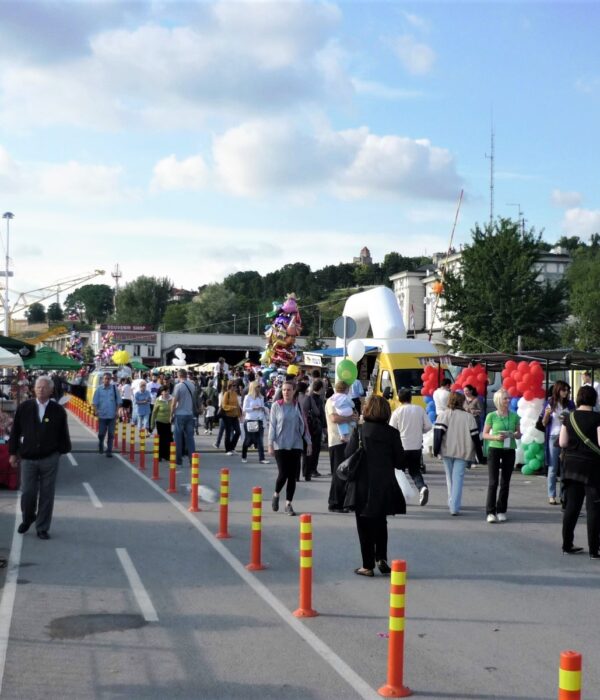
(416,21)
(416,57)
(77,182)
(188,174)
(588,85)
(384,92)
(581,222)
(567,200)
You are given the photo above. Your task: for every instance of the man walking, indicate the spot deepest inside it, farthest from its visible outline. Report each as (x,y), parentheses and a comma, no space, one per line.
(106,402)
(39,435)
(412,423)
(182,412)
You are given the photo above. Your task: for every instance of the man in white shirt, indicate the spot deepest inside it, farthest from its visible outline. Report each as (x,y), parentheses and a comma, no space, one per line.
(441,396)
(412,423)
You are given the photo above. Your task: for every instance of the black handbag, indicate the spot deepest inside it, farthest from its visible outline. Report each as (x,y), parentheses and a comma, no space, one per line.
(348,469)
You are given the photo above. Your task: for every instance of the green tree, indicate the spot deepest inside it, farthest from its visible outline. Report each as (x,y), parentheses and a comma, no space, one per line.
(212,310)
(583,279)
(55,312)
(93,303)
(144,301)
(496,296)
(175,318)
(36,313)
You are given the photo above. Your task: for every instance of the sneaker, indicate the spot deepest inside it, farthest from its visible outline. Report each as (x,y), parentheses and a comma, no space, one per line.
(216,445)
(502,517)
(206,432)
(229,453)
(491,518)
(423,496)
(265,461)
(316,474)
(244,461)
(275,503)
(289,510)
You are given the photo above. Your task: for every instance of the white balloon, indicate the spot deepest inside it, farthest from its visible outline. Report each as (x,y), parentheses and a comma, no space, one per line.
(356,350)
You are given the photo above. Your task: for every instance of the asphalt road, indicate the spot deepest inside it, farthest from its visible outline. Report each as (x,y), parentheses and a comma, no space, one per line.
(489,607)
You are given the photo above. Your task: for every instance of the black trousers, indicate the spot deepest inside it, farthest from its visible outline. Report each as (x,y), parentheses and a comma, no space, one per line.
(500,463)
(232,432)
(575,492)
(413,462)
(288,464)
(165,438)
(310,462)
(373,538)
(337,491)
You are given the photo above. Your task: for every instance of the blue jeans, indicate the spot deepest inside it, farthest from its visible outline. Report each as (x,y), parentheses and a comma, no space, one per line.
(455,473)
(553,466)
(106,425)
(184,432)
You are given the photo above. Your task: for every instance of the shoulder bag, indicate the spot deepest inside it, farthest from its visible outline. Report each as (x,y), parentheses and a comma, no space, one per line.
(348,469)
(586,441)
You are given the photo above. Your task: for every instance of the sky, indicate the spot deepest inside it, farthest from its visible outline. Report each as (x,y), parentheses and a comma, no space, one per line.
(193,140)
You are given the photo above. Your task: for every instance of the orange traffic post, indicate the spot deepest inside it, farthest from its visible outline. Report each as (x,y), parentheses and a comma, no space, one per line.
(155,459)
(223,534)
(172,469)
(306,562)
(132,443)
(123,438)
(142,449)
(255,543)
(569,676)
(195,481)
(395,688)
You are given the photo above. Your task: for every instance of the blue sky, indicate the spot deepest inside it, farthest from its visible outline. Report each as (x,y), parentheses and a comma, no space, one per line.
(196,139)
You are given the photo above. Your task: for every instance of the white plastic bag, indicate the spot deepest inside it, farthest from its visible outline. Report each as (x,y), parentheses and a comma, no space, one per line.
(410,494)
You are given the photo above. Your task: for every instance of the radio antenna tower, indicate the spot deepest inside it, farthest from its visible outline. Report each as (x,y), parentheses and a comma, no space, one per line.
(116,274)
(491,157)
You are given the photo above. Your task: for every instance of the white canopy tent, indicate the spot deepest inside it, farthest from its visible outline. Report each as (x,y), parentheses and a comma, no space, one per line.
(9,359)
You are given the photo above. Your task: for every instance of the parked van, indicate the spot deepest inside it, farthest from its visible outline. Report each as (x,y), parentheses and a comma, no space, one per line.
(95,379)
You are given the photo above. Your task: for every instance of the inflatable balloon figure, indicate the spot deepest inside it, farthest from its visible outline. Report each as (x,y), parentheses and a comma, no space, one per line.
(286,325)
(524,382)
(107,349)
(179,359)
(74,349)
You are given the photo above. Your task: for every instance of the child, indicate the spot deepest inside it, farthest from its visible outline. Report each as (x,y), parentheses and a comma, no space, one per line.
(343,406)
(209,418)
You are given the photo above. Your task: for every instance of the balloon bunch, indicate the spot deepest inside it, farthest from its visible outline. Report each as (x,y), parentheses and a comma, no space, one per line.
(347,370)
(179,359)
(431,381)
(74,349)
(524,379)
(107,350)
(120,357)
(286,325)
(475,376)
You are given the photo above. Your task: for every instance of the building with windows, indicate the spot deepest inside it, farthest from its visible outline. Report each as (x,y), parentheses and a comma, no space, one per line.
(364,258)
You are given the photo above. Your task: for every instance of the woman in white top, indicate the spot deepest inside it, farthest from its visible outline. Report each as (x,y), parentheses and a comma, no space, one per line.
(456,438)
(254,414)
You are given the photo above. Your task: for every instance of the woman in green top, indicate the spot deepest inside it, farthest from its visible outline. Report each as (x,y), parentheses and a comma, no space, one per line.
(501,429)
(161,419)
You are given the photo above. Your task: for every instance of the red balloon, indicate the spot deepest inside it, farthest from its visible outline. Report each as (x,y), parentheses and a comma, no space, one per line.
(528,395)
(511,365)
(523,365)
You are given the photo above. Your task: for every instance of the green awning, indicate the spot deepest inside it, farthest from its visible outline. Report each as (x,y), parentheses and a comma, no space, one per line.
(47,358)
(137,364)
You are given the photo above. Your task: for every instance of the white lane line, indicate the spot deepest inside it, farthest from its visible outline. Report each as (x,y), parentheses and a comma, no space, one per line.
(137,587)
(71,459)
(9,591)
(93,498)
(362,688)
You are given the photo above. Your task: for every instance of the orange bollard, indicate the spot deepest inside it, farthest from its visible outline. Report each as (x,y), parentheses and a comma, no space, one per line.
(142,449)
(255,544)
(223,534)
(306,559)
(394,688)
(569,676)
(155,459)
(132,444)
(195,481)
(172,469)
(123,438)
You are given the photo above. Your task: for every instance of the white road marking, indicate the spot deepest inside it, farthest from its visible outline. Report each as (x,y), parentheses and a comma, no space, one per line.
(362,688)
(9,591)
(137,587)
(71,459)
(93,498)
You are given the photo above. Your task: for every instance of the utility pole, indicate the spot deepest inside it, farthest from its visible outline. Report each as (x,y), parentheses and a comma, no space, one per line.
(491,158)
(116,274)
(7,216)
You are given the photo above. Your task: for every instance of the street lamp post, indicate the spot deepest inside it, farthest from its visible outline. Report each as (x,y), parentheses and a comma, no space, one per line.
(234,315)
(7,216)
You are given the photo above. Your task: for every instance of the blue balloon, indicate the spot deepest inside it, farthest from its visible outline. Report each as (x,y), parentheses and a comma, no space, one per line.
(428,399)
(514,403)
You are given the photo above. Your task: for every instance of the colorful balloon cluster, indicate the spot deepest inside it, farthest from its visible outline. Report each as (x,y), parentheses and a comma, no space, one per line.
(107,349)
(281,334)
(475,376)
(74,349)
(430,379)
(524,379)
(120,357)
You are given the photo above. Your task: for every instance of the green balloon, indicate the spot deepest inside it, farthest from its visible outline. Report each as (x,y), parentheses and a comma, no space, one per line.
(347,371)
(527,470)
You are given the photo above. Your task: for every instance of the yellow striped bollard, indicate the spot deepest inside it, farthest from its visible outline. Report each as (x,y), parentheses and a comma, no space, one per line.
(172,469)
(142,449)
(123,438)
(195,480)
(132,443)
(306,566)
(569,676)
(223,534)
(155,459)
(255,544)
(394,688)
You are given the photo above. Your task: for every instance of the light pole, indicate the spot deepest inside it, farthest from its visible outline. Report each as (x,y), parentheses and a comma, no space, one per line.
(234,315)
(7,216)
